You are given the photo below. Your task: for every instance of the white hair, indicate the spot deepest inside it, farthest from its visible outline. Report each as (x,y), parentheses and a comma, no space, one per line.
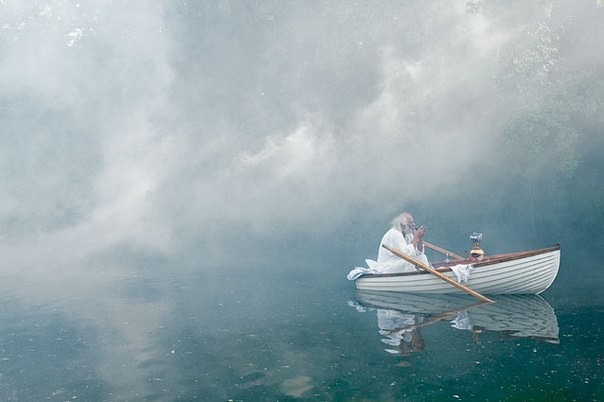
(401,221)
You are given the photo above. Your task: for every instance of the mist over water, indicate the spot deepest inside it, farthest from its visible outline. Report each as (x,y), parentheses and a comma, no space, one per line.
(171,126)
(141,141)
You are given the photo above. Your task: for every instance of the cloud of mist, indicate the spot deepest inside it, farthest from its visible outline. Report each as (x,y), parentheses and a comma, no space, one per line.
(223,132)
(172,126)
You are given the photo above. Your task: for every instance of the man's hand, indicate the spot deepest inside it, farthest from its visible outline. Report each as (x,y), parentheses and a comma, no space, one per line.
(418,237)
(419,233)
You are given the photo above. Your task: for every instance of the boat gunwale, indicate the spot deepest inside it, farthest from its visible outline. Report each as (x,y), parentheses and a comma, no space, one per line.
(489,260)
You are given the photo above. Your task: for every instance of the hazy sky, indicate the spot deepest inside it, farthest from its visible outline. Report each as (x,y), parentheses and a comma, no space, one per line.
(224,126)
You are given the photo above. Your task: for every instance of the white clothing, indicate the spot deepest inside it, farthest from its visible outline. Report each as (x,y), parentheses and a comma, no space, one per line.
(462,321)
(399,330)
(462,272)
(392,320)
(359,271)
(390,263)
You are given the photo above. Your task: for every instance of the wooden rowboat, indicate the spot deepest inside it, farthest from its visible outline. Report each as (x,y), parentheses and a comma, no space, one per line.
(526,272)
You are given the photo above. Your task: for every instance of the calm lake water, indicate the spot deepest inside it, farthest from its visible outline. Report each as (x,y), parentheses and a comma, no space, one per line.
(152,330)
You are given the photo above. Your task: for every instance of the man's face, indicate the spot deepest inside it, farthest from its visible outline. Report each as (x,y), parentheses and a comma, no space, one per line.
(410,226)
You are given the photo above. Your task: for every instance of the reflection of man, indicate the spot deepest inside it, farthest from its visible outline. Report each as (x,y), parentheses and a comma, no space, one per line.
(401,331)
(403,236)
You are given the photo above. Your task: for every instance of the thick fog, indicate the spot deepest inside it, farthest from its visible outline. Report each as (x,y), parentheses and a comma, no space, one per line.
(234,132)
(144,138)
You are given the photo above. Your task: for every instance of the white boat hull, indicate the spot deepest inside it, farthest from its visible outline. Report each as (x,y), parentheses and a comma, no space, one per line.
(529,272)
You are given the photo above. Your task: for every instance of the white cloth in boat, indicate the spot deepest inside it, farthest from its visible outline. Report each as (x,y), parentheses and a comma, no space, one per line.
(358,271)
(461,271)
(375,267)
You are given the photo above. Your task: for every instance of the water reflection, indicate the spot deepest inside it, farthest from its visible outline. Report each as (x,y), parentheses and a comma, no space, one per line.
(402,317)
(130,334)
(402,332)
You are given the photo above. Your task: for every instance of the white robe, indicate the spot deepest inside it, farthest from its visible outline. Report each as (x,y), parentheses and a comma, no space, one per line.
(390,263)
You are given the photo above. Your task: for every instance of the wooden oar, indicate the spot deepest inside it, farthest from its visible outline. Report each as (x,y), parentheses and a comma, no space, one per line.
(445,278)
(442,250)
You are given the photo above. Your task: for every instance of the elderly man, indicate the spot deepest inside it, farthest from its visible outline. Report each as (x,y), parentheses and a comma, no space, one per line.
(404,236)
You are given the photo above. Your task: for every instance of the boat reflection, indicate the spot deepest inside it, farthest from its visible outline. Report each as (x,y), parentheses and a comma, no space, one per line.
(402,316)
